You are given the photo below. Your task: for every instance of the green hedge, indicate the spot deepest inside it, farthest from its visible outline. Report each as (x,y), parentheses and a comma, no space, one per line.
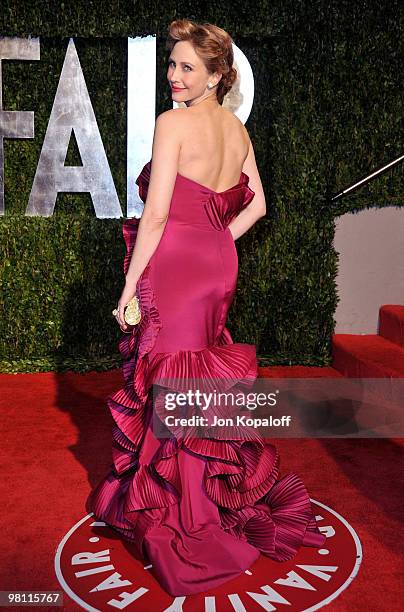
(326,112)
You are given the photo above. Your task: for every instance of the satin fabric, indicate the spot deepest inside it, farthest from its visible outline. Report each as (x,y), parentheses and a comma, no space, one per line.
(200,510)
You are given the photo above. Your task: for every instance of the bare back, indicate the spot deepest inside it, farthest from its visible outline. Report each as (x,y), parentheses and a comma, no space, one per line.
(214,147)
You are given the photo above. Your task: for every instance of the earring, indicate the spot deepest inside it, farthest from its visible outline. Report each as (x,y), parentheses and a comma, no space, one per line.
(210,85)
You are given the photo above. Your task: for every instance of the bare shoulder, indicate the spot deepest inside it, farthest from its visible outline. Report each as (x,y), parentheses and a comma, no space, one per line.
(166,138)
(170,124)
(168,129)
(246,135)
(170,117)
(232,117)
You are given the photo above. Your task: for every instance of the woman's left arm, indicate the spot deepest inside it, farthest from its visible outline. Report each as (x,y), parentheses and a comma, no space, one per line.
(163,174)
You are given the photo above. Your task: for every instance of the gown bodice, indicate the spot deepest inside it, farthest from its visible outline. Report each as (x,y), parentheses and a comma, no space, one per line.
(195,204)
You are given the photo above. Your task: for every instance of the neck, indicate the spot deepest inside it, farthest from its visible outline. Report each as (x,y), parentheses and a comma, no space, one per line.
(209,100)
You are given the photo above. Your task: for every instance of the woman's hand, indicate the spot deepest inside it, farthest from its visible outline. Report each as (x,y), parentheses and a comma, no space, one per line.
(127,294)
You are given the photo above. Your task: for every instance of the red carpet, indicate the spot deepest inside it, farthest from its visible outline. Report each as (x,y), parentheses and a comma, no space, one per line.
(56,444)
(378,355)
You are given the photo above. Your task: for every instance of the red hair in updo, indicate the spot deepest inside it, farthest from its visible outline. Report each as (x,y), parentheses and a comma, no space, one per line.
(212,44)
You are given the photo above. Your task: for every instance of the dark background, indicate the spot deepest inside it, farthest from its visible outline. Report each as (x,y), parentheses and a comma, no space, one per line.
(327,112)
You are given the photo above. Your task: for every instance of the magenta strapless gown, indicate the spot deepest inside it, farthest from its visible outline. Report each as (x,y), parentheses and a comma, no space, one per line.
(200,511)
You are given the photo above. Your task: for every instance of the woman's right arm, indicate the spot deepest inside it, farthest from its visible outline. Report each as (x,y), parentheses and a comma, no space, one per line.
(257,207)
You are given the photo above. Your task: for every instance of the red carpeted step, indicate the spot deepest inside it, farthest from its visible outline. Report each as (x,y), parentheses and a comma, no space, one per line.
(391,323)
(298,371)
(367,356)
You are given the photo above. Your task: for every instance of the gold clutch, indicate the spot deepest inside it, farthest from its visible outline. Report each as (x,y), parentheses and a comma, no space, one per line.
(132,313)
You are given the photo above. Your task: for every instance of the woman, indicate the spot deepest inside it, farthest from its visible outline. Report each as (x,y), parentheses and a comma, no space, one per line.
(200,510)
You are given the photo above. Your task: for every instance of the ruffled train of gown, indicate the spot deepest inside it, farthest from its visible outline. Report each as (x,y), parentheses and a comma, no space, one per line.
(200,510)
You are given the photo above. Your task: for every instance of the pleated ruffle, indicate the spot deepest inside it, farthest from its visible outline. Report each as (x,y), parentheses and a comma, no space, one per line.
(241,476)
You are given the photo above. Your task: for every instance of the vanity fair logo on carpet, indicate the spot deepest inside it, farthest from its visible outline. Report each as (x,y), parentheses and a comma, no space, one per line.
(97,571)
